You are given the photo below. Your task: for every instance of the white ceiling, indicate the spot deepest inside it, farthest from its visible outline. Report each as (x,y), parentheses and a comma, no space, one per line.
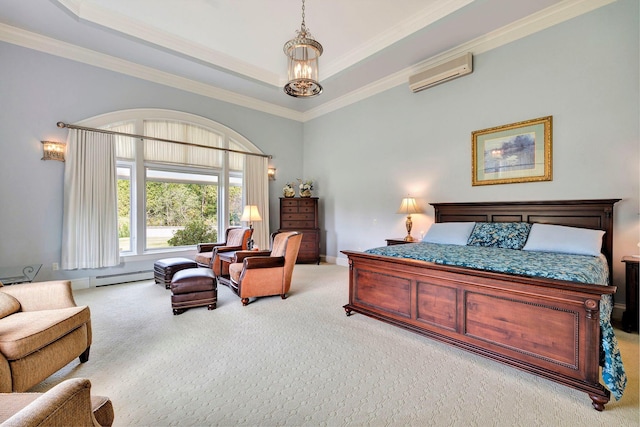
(232,49)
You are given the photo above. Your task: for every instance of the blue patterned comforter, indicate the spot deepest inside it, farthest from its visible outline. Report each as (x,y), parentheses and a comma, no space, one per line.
(574,268)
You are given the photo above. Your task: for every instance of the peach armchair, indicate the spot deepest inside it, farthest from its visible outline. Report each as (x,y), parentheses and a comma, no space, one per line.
(69,403)
(270,272)
(41,330)
(236,239)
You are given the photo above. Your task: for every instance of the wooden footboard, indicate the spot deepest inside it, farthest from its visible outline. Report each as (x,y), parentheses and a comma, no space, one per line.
(549,328)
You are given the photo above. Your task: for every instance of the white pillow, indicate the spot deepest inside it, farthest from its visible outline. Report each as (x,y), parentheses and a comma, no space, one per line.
(450,233)
(568,240)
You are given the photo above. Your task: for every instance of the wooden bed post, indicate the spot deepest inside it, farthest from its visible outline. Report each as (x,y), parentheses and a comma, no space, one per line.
(593,335)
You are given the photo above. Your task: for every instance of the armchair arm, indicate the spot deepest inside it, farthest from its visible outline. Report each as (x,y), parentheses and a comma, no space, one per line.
(263,262)
(241,255)
(208,247)
(227,248)
(42,295)
(68,403)
(6,383)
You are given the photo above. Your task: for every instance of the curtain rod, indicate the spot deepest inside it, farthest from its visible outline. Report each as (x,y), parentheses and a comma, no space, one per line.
(113,132)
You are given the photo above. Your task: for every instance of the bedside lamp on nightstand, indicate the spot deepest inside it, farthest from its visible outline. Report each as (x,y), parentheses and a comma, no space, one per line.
(408,207)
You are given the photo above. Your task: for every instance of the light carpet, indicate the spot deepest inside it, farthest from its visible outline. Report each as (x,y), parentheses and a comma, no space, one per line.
(303,362)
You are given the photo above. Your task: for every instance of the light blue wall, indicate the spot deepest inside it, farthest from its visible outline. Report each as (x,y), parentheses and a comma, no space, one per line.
(366,156)
(583,72)
(38,90)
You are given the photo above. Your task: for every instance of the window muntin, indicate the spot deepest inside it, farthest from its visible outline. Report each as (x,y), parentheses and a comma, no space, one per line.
(125,188)
(235,199)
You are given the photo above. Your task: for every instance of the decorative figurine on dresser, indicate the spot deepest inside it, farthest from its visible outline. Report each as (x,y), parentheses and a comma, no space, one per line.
(301,214)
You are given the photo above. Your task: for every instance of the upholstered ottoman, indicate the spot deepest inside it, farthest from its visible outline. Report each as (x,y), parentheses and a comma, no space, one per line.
(164,269)
(193,287)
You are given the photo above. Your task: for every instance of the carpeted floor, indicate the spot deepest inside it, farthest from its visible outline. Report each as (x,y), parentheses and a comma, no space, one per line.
(302,362)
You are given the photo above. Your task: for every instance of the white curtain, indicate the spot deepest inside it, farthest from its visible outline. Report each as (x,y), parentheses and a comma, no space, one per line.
(257,185)
(168,152)
(90,216)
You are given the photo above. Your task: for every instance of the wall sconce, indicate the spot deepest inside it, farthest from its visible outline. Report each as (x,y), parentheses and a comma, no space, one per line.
(271,173)
(52,150)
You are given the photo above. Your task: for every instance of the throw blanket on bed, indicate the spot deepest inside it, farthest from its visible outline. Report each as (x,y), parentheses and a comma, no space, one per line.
(574,268)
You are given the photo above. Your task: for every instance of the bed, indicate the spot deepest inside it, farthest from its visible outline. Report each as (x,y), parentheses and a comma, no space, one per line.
(545,326)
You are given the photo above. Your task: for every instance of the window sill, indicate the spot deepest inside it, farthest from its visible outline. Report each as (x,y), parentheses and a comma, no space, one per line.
(188,252)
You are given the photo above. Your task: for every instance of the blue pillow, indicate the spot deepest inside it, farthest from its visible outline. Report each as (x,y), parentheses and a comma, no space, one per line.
(508,235)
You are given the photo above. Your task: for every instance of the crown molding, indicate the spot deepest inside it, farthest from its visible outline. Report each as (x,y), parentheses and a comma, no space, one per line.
(524,27)
(536,22)
(379,86)
(386,38)
(96,14)
(55,47)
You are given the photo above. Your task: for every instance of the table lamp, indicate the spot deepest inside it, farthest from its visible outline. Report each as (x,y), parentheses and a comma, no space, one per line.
(408,207)
(250,214)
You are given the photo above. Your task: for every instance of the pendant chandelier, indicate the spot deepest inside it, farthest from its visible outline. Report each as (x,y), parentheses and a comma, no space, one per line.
(303,53)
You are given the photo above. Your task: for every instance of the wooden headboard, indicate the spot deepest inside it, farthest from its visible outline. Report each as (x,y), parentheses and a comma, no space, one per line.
(595,214)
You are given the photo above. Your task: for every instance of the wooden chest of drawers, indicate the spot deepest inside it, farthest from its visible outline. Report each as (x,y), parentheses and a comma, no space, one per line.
(301,214)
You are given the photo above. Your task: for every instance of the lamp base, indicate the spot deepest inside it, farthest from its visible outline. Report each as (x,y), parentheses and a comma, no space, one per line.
(409,225)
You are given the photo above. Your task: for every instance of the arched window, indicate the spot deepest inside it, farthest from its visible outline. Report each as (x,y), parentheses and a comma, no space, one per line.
(174,195)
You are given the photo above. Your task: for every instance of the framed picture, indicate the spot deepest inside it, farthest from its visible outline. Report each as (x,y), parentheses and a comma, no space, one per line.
(519,152)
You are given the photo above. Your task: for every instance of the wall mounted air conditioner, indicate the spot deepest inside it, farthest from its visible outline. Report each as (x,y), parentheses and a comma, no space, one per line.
(444,72)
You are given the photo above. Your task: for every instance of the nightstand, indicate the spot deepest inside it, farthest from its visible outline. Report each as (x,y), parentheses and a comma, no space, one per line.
(398,241)
(630,316)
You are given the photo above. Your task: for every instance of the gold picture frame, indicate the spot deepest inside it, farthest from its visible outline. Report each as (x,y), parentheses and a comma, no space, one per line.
(517,152)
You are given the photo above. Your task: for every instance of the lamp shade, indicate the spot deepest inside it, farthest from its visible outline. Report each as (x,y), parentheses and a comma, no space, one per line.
(409,206)
(250,214)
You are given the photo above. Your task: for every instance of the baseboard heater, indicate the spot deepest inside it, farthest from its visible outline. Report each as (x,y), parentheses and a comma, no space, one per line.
(113,279)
